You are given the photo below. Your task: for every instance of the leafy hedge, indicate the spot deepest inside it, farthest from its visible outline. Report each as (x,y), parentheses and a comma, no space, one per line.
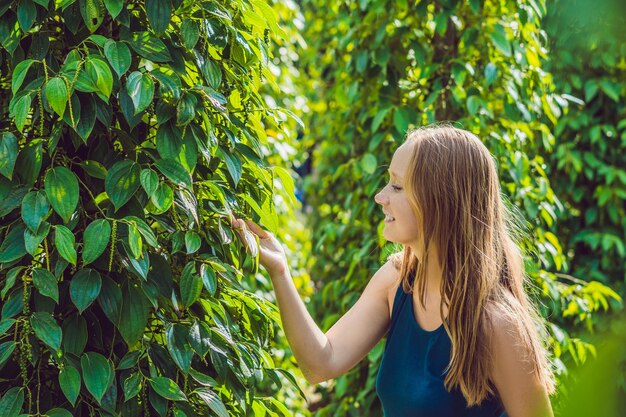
(376,68)
(130,132)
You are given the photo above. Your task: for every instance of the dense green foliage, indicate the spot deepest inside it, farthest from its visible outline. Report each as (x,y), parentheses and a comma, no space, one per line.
(588,165)
(130,132)
(377,68)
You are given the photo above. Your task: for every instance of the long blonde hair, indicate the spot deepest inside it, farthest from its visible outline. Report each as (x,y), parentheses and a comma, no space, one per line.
(452,182)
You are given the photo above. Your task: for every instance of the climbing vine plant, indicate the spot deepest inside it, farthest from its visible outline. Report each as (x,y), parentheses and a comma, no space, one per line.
(131,131)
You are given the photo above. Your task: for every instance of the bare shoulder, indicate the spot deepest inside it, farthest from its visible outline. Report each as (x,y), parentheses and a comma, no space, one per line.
(385,281)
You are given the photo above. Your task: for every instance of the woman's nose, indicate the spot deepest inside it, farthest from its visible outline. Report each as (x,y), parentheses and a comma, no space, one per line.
(380,198)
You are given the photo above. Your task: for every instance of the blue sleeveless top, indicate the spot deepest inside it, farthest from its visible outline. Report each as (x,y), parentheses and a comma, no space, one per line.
(410,378)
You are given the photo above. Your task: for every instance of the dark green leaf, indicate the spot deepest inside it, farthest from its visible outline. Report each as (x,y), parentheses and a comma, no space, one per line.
(33,240)
(57,95)
(200,338)
(85,288)
(95,240)
(6,349)
(118,55)
(491,73)
(74,334)
(21,111)
(94,169)
(11,402)
(92,12)
(190,284)
(170,85)
(144,229)
(122,182)
(186,108)
(132,385)
(110,300)
(46,283)
(192,241)
(8,154)
(150,47)
(149,181)
(28,165)
(162,198)
(26,14)
(99,71)
(208,278)
(135,310)
(46,329)
(174,171)
(69,380)
(140,88)
(212,400)
(134,241)
(159,12)
(19,73)
(61,186)
(35,209)
(12,247)
(167,388)
(64,241)
(190,33)
(178,346)
(114,7)
(499,39)
(97,374)
(58,412)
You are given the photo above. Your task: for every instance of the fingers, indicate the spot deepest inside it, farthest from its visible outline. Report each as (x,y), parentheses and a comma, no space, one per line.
(257,230)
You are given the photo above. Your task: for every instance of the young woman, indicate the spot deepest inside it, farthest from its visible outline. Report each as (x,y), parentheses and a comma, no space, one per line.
(463,339)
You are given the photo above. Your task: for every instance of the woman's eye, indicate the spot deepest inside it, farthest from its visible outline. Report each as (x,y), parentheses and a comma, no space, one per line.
(396,188)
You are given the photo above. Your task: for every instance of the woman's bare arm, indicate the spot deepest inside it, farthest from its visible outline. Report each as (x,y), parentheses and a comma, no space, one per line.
(324,356)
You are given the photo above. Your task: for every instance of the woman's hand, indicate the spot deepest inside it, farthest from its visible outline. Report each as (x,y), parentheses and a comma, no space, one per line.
(272,256)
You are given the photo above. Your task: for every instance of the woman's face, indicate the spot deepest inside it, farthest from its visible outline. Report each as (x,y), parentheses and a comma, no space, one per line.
(395,203)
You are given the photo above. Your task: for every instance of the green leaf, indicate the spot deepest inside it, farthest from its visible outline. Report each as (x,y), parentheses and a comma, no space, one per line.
(213,74)
(167,388)
(69,380)
(46,283)
(6,350)
(150,47)
(28,165)
(26,14)
(64,241)
(46,329)
(99,71)
(212,400)
(491,73)
(97,374)
(85,288)
(401,120)
(132,386)
(92,12)
(144,229)
(74,334)
(159,13)
(21,111)
(149,181)
(35,208)
(114,7)
(134,241)
(186,109)
(11,402)
(140,89)
(33,240)
(178,346)
(58,412)
(57,95)
(122,182)
(8,154)
(473,104)
(190,284)
(174,171)
(94,169)
(5,325)
(118,55)
(499,39)
(208,278)
(162,198)
(12,247)
(134,314)
(190,33)
(192,241)
(110,300)
(95,240)
(369,163)
(200,338)
(170,85)
(61,186)
(19,73)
